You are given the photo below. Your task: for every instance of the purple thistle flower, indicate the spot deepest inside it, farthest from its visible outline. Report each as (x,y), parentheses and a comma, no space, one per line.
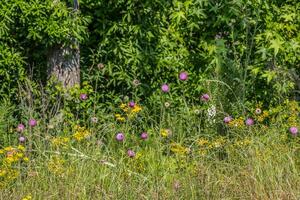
(131,104)
(120,137)
(205,97)
(183,76)
(293,130)
(22,139)
(20,128)
(227,119)
(165,88)
(32,122)
(249,122)
(83,96)
(144,136)
(130,153)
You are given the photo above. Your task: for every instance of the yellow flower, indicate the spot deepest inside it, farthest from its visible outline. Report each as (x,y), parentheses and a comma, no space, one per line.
(119,117)
(136,109)
(124,107)
(26,159)
(21,148)
(202,142)
(28,197)
(179,149)
(9,148)
(165,132)
(60,141)
(2,172)
(80,134)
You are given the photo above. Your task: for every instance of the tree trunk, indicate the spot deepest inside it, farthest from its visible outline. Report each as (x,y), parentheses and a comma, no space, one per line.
(64,61)
(64,65)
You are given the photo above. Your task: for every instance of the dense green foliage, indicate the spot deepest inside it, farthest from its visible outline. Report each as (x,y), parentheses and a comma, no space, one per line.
(250,45)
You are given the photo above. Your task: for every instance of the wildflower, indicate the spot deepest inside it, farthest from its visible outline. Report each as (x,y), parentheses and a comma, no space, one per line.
(22,139)
(83,96)
(50,126)
(249,122)
(131,104)
(21,148)
(79,134)
(100,66)
(165,132)
(144,136)
(26,159)
(212,111)
(167,104)
(32,122)
(205,97)
(179,149)
(165,88)
(197,112)
(28,197)
(227,119)
(176,185)
(258,111)
(20,128)
(94,120)
(120,137)
(202,142)
(120,118)
(293,130)
(130,153)
(136,109)
(183,76)
(123,106)
(136,82)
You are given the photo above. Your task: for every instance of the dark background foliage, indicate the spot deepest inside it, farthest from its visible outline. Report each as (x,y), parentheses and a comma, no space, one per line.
(240,50)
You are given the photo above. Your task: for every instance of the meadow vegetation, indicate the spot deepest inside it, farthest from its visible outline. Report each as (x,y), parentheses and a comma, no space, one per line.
(177,100)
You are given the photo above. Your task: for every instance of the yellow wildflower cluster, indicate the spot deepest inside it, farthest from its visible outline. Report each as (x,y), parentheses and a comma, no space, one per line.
(239,122)
(28,197)
(128,111)
(119,118)
(179,149)
(60,141)
(165,132)
(81,133)
(56,165)
(13,155)
(261,117)
(10,156)
(206,145)
(137,163)
(293,113)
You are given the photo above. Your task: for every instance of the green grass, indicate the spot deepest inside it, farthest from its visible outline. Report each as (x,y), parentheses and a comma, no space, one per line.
(256,162)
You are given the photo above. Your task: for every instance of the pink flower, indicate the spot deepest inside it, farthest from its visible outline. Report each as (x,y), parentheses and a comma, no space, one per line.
(120,137)
(130,153)
(20,128)
(144,136)
(293,130)
(131,104)
(165,88)
(32,122)
(205,97)
(83,96)
(249,122)
(22,139)
(183,76)
(227,119)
